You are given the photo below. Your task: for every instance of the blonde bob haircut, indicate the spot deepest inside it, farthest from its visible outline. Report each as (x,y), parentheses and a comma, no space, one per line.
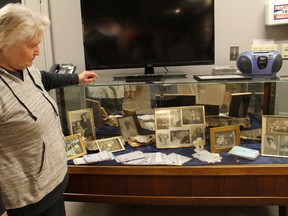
(18,23)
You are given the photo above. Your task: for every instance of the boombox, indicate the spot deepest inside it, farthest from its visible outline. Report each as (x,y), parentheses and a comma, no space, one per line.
(259,63)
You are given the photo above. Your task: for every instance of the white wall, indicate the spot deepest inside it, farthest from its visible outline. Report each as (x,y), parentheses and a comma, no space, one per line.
(45,59)
(238,23)
(66,26)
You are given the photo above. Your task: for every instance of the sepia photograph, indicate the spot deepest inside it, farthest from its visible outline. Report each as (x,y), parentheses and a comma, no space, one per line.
(283,146)
(162,118)
(175,118)
(274,140)
(179,137)
(162,139)
(277,125)
(197,131)
(178,127)
(128,127)
(270,145)
(75,146)
(113,144)
(224,138)
(128,112)
(193,115)
(82,121)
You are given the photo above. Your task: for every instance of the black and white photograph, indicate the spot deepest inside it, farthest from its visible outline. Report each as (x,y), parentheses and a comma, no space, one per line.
(193,115)
(197,131)
(179,137)
(283,147)
(82,121)
(270,145)
(224,138)
(162,119)
(113,144)
(75,146)
(274,140)
(178,127)
(163,139)
(175,118)
(128,112)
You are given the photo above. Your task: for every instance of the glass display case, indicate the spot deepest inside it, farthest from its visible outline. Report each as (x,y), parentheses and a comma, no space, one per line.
(231,181)
(116,97)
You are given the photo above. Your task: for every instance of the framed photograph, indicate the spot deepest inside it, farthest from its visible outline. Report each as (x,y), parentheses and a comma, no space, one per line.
(75,146)
(177,127)
(97,113)
(274,140)
(128,127)
(128,112)
(113,144)
(82,121)
(224,138)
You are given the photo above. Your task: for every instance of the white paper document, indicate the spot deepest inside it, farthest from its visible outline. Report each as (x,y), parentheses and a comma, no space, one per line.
(207,156)
(94,158)
(157,158)
(130,156)
(135,158)
(178,159)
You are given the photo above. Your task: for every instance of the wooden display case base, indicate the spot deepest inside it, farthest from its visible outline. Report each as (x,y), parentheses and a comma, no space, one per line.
(213,185)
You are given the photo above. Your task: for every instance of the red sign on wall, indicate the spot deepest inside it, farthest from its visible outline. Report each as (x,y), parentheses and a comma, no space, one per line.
(281,12)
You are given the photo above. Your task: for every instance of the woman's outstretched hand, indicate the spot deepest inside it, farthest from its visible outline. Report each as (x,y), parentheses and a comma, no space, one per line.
(87,77)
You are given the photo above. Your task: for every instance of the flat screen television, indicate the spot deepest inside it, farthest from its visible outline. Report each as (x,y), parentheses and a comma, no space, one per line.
(147,33)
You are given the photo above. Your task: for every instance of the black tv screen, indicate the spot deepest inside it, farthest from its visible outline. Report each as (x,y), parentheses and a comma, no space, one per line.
(137,33)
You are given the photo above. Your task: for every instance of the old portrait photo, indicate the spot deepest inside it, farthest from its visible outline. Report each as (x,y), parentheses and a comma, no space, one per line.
(112,144)
(178,127)
(82,121)
(75,146)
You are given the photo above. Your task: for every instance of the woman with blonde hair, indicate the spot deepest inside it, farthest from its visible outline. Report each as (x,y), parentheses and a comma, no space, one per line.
(33,160)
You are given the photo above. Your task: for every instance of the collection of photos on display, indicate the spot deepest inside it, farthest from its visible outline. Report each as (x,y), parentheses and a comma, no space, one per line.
(175,127)
(274,136)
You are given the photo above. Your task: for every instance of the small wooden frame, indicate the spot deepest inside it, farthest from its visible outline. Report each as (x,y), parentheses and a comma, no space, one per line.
(75,146)
(224,138)
(112,144)
(133,113)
